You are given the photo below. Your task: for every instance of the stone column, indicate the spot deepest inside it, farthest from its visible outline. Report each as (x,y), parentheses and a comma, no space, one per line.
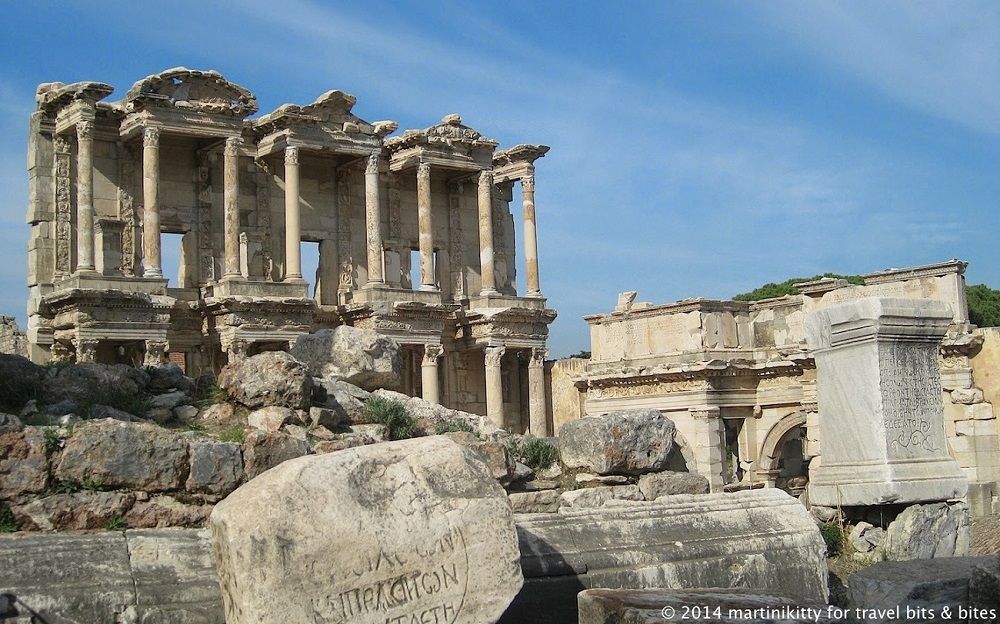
(707,440)
(429,373)
(231,208)
(373,221)
(151,207)
(86,350)
(530,238)
(494,386)
(293,229)
(486,233)
(85,197)
(537,420)
(425,227)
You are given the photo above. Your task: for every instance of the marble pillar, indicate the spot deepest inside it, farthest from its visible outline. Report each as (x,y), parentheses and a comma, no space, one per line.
(426,228)
(85,197)
(486,233)
(231,208)
(530,236)
(373,221)
(293,228)
(494,385)
(151,206)
(537,420)
(429,373)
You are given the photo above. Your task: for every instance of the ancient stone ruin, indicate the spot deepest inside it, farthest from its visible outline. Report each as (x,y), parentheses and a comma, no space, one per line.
(414,233)
(384,442)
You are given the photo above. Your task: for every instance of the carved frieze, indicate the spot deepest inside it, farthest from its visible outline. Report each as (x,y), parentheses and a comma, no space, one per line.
(620,388)
(64,206)
(126,209)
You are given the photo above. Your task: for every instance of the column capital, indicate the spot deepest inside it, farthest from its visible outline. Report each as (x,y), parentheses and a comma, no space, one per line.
(493,356)
(538,356)
(485,177)
(528,183)
(233,146)
(60,145)
(85,130)
(431,354)
(151,137)
(373,161)
(291,155)
(423,170)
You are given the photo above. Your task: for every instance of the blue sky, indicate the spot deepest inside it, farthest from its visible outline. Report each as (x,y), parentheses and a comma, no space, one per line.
(698,148)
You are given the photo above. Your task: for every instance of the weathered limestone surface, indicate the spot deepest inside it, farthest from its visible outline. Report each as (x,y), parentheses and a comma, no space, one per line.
(128,455)
(928,532)
(23,462)
(360,357)
(894,586)
(345,400)
(266,379)
(632,442)
(879,392)
(709,606)
(78,511)
(263,450)
(599,496)
(411,529)
(151,576)
(762,539)
(432,413)
(89,382)
(216,467)
(668,483)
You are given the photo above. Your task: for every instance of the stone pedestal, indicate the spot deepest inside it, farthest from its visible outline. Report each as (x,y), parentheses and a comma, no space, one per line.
(880,409)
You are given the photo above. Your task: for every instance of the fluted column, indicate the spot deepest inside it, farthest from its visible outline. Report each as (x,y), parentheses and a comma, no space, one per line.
(537,419)
(494,386)
(231,207)
(293,228)
(429,373)
(425,227)
(373,221)
(530,235)
(85,197)
(486,233)
(151,206)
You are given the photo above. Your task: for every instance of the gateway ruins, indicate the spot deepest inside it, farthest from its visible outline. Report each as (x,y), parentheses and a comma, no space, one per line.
(415,237)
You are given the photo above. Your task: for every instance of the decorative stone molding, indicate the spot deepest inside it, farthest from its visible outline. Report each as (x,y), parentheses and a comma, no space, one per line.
(151,138)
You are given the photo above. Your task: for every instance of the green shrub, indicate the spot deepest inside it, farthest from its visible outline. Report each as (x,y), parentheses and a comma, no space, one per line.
(833,535)
(116,523)
(537,453)
(69,486)
(233,434)
(392,415)
(52,439)
(209,394)
(449,426)
(7,522)
(787,287)
(984,305)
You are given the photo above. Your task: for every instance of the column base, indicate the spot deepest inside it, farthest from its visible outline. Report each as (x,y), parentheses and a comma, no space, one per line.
(88,271)
(294,279)
(535,294)
(886,483)
(375,286)
(428,288)
(152,273)
(233,277)
(488,292)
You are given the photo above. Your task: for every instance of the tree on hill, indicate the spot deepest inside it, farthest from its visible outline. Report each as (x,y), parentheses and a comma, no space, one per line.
(984,305)
(787,287)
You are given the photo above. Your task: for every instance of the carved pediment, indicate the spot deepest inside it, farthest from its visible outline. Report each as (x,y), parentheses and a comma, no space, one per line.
(51,96)
(201,91)
(451,131)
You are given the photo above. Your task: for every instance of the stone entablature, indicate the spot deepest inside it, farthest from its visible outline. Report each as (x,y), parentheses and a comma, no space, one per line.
(739,380)
(181,154)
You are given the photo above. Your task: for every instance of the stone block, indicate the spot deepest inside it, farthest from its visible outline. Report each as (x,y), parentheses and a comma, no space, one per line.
(77,512)
(967,396)
(660,484)
(271,419)
(711,606)
(886,590)
(360,357)
(879,390)
(629,442)
(599,496)
(136,456)
(760,538)
(409,530)
(24,464)
(263,451)
(981,411)
(216,467)
(543,501)
(67,578)
(166,511)
(266,379)
(927,532)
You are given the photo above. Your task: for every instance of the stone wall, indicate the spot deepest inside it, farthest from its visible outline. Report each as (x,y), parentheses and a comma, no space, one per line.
(565,398)
(12,339)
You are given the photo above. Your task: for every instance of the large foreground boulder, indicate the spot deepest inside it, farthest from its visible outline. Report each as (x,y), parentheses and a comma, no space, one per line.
(358,356)
(627,442)
(266,379)
(410,531)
